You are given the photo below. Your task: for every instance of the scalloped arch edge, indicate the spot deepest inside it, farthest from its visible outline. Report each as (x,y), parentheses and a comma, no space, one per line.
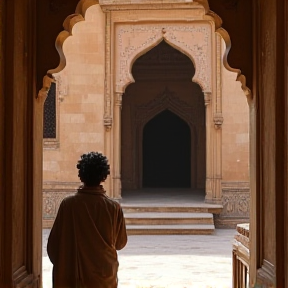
(80,13)
(240,77)
(68,25)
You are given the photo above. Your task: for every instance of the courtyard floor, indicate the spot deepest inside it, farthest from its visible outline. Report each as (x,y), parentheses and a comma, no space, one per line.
(178,261)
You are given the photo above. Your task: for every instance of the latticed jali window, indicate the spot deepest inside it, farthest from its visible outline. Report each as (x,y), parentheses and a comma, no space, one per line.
(49,121)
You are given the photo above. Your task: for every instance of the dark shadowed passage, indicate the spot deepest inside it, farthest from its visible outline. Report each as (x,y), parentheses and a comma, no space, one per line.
(166,152)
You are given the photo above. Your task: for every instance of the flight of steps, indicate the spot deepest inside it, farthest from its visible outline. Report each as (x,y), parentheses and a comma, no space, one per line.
(167,220)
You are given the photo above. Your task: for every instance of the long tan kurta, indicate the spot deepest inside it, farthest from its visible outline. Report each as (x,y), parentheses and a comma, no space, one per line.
(82,244)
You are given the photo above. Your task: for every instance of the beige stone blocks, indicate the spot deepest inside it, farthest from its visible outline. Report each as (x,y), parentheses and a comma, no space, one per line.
(81,111)
(100,56)
(235,135)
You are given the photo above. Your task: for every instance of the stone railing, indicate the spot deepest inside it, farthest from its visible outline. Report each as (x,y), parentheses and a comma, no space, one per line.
(241,257)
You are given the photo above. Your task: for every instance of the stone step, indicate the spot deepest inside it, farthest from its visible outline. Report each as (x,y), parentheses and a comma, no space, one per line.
(211,208)
(191,229)
(164,218)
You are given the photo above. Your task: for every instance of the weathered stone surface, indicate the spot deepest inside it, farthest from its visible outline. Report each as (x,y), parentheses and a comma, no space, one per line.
(93,113)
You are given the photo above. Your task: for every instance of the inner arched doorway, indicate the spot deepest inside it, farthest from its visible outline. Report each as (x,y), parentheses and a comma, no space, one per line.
(163,96)
(166,152)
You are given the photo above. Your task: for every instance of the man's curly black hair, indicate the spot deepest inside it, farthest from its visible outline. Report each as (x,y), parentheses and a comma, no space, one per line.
(93,168)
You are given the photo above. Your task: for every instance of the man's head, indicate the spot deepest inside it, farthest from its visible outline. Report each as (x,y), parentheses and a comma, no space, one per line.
(93,168)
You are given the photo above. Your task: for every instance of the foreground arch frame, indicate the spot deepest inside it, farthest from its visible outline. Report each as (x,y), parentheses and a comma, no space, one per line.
(129,33)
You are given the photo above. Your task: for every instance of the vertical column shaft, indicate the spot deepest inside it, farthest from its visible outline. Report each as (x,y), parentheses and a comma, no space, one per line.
(117,145)
(108,153)
(217,178)
(208,185)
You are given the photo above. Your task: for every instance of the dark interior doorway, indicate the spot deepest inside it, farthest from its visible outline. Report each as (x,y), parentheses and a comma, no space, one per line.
(166,152)
(163,81)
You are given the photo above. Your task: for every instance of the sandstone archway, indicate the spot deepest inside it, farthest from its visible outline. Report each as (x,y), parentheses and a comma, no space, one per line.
(130,33)
(162,82)
(196,39)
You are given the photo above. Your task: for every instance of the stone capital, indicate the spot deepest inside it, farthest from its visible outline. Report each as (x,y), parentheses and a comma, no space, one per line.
(107,123)
(218,121)
(118,98)
(207,98)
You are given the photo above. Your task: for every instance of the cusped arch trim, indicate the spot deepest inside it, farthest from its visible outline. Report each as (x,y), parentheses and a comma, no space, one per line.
(240,77)
(68,25)
(130,79)
(151,35)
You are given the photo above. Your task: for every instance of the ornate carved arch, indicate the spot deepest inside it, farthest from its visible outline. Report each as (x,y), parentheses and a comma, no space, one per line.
(135,40)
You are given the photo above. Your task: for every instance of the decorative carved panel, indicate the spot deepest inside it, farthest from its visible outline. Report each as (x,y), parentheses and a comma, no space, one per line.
(193,39)
(51,202)
(53,194)
(168,100)
(235,199)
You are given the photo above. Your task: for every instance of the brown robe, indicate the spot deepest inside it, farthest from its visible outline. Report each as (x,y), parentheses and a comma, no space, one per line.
(82,244)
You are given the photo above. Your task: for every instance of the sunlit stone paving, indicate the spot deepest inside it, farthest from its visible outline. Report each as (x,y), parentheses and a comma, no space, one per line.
(166,261)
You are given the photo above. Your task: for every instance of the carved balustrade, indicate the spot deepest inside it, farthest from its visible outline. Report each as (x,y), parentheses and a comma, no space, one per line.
(241,257)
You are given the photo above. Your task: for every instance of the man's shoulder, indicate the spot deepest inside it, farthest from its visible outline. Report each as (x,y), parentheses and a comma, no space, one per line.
(69,198)
(112,201)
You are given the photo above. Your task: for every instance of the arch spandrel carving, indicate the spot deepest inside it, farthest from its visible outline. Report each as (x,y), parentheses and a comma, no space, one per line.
(192,39)
(168,100)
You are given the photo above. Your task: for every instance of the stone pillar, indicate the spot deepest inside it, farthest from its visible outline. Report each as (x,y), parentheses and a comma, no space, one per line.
(117,145)
(108,185)
(21,132)
(209,184)
(217,178)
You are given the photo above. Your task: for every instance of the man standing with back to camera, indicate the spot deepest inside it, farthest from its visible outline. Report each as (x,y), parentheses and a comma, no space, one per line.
(87,231)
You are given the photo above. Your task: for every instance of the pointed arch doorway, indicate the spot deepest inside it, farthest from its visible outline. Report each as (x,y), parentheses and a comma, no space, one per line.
(132,41)
(163,124)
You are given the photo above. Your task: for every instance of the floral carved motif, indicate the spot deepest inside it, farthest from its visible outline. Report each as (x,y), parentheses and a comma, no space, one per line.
(51,203)
(236,199)
(193,39)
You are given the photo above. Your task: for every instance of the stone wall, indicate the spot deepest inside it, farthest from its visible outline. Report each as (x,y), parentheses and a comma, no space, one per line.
(82,91)
(235,130)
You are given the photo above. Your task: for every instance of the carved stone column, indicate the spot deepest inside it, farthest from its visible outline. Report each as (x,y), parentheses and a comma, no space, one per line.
(209,184)
(108,152)
(108,106)
(116,169)
(217,177)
